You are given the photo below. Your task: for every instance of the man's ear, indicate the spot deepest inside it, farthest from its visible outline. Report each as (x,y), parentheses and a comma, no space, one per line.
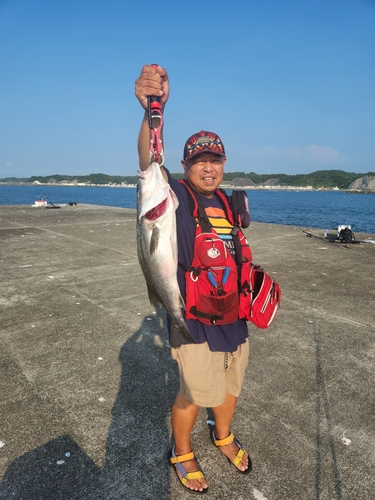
(184,166)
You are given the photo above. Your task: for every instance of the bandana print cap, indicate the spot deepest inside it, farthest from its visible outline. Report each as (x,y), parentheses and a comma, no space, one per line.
(203,142)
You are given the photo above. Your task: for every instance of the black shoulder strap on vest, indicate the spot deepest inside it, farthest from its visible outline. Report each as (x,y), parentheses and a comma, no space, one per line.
(197,211)
(226,204)
(196,207)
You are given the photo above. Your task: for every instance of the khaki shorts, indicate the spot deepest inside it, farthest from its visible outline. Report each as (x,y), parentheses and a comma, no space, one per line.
(206,377)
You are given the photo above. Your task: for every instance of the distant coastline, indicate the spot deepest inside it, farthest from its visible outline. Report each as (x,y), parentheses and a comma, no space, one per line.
(124,185)
(67,184)
(360,191)
(223,185)
(319,180)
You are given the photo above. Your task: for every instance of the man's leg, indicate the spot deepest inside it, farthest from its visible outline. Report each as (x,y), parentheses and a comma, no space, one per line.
(223,417)
(184,416)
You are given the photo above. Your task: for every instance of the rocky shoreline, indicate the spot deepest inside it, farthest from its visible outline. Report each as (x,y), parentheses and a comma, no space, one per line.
(360,191)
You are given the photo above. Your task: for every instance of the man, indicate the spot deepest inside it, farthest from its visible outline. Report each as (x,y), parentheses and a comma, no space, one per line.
(212,369)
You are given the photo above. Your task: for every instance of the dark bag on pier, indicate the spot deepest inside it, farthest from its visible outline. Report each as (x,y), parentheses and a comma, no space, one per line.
(346,235)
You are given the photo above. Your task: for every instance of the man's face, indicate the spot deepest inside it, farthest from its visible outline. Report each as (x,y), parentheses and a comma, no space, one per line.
(205,172)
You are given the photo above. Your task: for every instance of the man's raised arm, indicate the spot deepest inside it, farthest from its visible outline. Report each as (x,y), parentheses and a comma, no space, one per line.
(153,81)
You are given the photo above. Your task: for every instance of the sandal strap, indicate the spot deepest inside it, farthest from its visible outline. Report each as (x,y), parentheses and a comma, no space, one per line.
(191,475)
(241,452)
(228,440)
(224,442)
(177,459)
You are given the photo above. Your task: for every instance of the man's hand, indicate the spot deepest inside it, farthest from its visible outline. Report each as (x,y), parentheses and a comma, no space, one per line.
(152,81)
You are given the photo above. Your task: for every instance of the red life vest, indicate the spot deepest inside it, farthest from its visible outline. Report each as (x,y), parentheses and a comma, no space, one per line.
(217,287)
(220,290)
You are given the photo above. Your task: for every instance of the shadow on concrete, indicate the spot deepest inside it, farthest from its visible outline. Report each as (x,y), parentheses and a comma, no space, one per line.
(37,475)
(139,435)
(325,444)
(137,442)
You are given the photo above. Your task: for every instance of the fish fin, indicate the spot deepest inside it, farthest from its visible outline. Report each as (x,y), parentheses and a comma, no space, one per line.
(178,335)
(154,242)
(182,301)
(153,297)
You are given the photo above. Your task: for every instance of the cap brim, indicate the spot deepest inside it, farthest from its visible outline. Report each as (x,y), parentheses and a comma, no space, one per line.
(204,151)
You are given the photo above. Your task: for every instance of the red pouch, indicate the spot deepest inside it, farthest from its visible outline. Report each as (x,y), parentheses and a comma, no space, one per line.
(265,296)
(211,282)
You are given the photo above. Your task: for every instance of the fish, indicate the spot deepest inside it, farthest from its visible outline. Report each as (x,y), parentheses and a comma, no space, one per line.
(157,248)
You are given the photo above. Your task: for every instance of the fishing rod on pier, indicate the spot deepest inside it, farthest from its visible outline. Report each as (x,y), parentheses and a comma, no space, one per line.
(310,235)
(43,197)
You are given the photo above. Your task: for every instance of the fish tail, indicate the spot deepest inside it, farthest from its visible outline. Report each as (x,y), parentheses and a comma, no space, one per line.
(180,335)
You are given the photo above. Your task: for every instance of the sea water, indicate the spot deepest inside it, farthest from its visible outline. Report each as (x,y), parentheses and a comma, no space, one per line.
(315,209)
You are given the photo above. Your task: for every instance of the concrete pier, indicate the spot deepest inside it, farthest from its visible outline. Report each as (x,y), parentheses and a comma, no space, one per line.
(87,383)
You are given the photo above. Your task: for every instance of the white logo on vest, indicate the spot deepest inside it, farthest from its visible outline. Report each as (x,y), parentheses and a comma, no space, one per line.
(213,253)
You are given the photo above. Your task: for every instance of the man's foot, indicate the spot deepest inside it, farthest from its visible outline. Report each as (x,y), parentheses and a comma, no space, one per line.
(233,450)
(189,474)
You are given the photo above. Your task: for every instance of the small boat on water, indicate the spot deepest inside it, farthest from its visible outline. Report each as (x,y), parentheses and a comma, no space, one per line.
(43,203)
(40,203)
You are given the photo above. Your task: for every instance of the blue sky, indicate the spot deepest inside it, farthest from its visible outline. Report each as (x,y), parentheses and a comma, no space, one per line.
(287,84)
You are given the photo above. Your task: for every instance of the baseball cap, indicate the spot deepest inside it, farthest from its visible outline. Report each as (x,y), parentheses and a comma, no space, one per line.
(203,142)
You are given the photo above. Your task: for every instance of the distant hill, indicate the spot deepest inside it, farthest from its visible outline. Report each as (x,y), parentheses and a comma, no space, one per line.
(364,183)
(318,179)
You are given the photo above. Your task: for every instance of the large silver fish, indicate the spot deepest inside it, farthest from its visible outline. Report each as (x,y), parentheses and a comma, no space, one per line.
(157,247)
